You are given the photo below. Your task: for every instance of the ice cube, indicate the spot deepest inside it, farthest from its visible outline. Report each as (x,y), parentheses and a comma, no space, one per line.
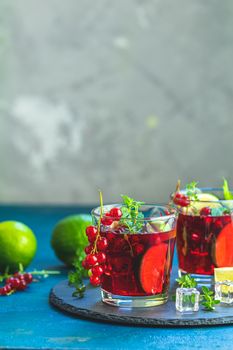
(187,299)
(224,292)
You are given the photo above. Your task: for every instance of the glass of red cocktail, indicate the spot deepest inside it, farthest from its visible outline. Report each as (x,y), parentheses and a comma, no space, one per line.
(204,232)
(138,253)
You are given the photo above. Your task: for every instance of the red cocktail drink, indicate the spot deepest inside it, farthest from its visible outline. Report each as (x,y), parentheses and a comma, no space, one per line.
(199,243)
(138,264)
(138,254)
(204,232)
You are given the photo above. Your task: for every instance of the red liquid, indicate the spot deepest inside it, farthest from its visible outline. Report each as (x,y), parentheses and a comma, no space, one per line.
(196,242)
(129,257)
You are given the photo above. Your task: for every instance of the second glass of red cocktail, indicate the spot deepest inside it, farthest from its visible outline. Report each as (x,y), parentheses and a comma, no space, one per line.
(204,232)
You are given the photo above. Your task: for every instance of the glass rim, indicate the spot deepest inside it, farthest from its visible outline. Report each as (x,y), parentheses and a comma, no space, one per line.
(118,205)
(206,190)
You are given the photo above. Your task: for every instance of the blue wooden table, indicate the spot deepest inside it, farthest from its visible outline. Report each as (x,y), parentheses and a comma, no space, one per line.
(28,321)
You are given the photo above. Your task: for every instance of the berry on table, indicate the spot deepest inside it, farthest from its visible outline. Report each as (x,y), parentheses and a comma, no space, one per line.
(28,277)
(22,285)
(15,283)
(10,280)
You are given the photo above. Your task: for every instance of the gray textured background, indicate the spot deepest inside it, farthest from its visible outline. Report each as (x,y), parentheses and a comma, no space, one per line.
(125,95)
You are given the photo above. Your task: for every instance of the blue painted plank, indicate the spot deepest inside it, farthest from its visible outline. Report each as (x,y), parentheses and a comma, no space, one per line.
(28,321)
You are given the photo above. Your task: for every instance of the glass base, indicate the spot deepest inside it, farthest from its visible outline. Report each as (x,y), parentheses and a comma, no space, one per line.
(129,301)
(202,280)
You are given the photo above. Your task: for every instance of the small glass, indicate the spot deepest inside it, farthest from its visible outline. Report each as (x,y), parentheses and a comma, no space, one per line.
(187,300)
(138,265)
(204,241)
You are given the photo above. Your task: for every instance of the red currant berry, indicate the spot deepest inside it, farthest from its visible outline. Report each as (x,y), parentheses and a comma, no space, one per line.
(84,264)
(116,213)
(106,221)
(101,258)
(15,283)
(206,211)
(181,199)
(16,274)
(20,276)
(22,285)
(10,280)
(97,271)
(91,260)
(102,244)
(6,289)
(88,249)
(95,280)
(91,232)
(28,277)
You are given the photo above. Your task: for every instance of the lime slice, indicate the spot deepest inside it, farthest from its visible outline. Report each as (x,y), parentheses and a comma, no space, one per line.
(205,200)
(223,274)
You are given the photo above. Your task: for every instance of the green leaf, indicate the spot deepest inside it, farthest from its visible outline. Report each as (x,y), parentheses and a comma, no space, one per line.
(205,290)
(131,217)
(186,281)
(191,190)
(193,298)
(226,192)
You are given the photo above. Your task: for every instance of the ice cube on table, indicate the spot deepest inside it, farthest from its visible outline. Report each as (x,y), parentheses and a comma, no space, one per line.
(224,292)
(187,299)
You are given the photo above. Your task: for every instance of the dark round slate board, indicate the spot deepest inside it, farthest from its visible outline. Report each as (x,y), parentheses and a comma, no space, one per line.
(92,307)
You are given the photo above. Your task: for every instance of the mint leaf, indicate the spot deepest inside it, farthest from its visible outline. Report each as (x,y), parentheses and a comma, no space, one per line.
(186,281)
(226,192)
(208,299)
(131,217)
(191,190)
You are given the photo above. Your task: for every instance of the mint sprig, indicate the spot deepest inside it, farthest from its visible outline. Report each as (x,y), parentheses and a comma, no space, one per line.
(75,280)
(208,300)
(186,281)
(191,190)
(131,218)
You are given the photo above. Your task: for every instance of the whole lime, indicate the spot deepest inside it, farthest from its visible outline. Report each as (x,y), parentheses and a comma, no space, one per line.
(17,245)
(69,238)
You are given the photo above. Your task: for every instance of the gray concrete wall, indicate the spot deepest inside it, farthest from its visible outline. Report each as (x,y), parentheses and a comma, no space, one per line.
(126,96)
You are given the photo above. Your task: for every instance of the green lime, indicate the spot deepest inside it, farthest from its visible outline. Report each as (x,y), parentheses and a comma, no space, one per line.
(69,238)
(17,245)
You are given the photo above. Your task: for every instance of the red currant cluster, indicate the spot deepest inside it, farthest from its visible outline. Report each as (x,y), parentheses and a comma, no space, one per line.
(17,282)
(181,199)
(96,258)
